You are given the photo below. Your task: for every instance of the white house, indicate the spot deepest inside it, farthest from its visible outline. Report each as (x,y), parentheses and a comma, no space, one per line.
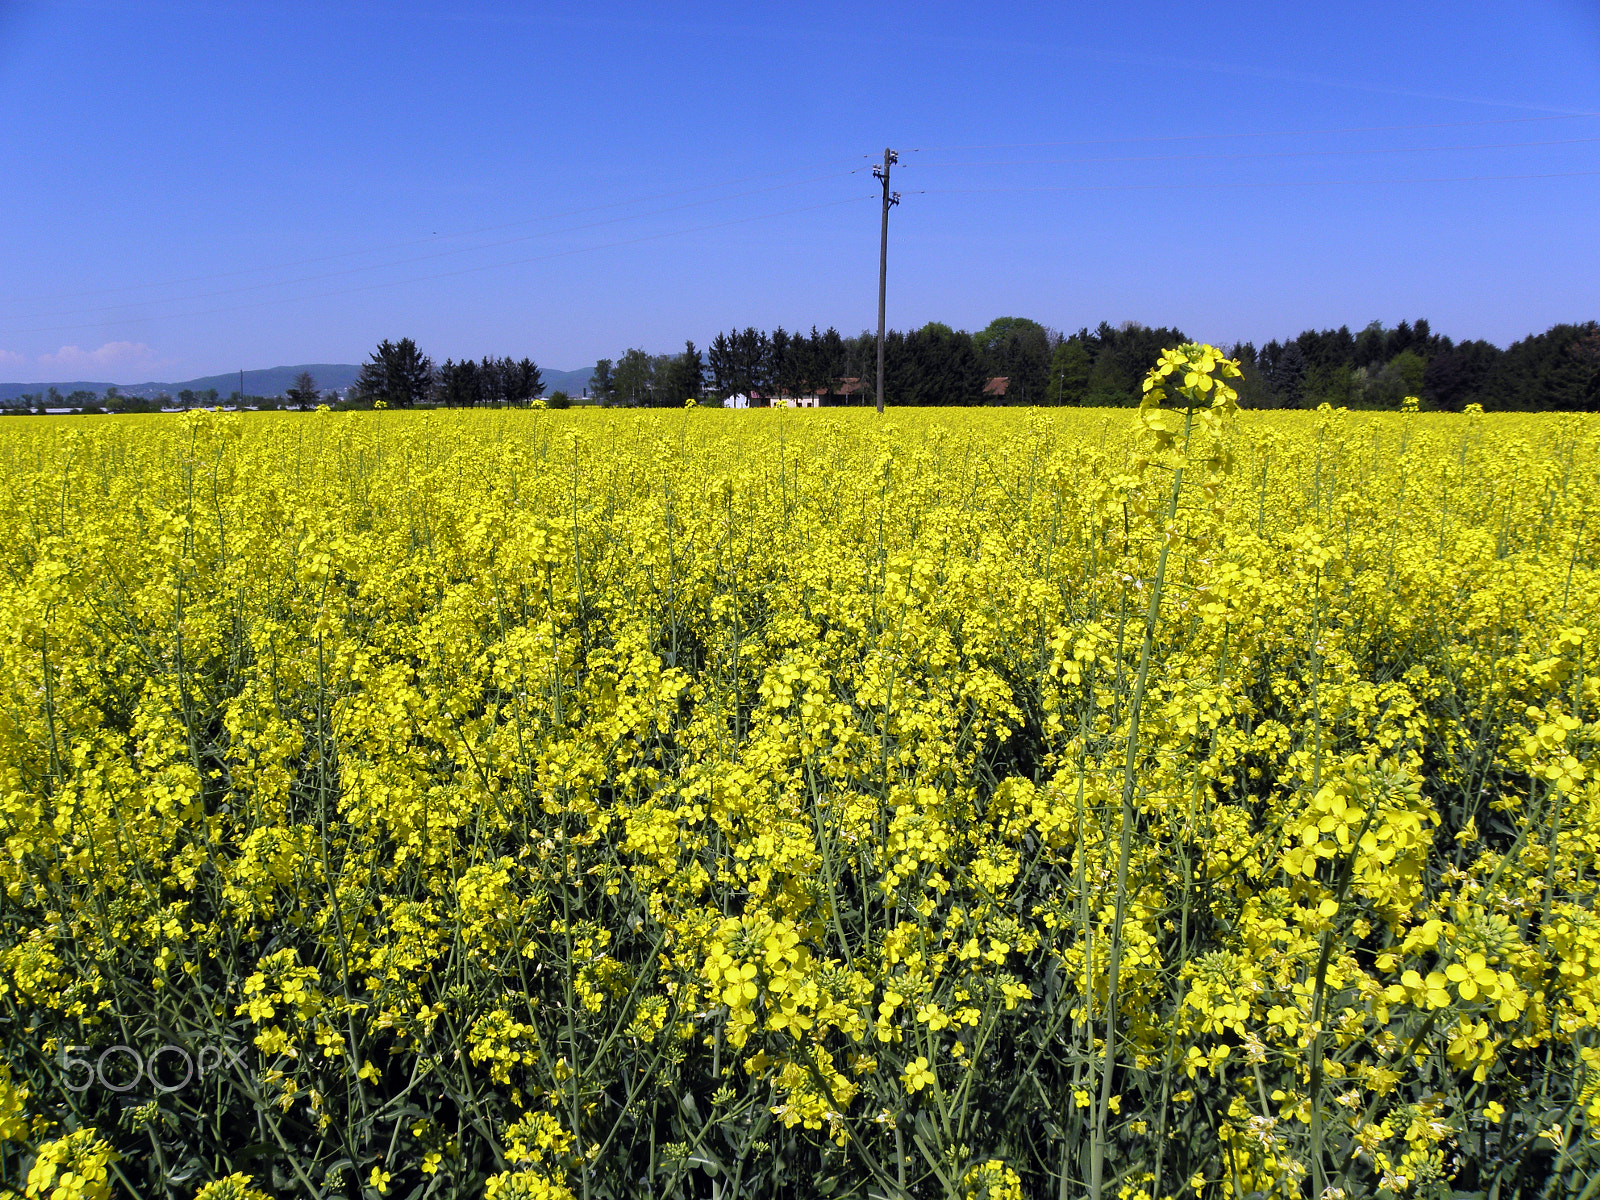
(757,400)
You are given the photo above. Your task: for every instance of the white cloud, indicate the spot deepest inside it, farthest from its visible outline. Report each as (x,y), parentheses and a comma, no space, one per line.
(113,357)
(8,359)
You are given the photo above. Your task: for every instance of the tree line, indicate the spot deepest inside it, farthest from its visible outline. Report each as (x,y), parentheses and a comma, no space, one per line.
(1012,360)
(641,380)
(1015,360)
(399,375)
(1554,371)
(935,365)
(304,393)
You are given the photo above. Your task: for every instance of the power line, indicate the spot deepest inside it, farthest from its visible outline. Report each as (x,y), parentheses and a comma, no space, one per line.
(254,287)
(1150,187)
(367,287)
(1215,137)
(881,173)
(558,216)
(744,179)
(583,211)
(1262,154)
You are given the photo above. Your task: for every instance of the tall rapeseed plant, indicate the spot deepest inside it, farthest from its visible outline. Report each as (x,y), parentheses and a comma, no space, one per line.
(1192,378)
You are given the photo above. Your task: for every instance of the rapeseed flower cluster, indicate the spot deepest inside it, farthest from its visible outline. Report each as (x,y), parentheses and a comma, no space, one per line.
(1189,803)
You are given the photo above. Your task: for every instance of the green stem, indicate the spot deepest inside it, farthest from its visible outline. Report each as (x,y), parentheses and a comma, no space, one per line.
(1097,1152)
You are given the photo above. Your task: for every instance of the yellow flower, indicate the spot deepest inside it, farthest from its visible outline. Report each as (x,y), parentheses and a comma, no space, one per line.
(605,767)
(232,1187)
(918,1075)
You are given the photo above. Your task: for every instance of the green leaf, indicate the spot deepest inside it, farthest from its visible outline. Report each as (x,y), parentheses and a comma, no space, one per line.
(704,1160)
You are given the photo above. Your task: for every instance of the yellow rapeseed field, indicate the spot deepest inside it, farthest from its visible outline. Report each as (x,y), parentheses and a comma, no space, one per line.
(958,803)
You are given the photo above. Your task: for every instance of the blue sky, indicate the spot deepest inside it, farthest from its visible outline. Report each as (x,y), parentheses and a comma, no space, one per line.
(196,187)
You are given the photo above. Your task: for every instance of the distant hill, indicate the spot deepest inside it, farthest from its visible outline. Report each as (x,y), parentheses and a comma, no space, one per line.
(273,381)
(571,382)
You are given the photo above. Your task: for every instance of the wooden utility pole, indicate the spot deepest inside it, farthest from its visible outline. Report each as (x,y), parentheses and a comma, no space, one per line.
(889,200)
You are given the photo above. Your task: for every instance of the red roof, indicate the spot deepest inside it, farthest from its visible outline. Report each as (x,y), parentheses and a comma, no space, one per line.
(997,386)
(848,386)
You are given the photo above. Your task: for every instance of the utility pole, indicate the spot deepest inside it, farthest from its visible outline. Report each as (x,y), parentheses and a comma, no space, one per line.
(890,199)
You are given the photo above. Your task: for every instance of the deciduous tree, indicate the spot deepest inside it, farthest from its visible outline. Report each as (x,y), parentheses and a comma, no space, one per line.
(602,384)
(1069,373)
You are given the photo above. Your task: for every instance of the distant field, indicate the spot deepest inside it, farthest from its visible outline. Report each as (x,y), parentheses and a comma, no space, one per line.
(784,804)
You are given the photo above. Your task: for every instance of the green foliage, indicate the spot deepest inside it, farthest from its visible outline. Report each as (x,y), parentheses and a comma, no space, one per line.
(1019,350)
(602,385)
(1122,356)
(682,378)
(397,373)
(1070,369)
(1555,371)
(633,383)
(304,392)
(1461,375)
(935,366)
(938,365)
(1336,384)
